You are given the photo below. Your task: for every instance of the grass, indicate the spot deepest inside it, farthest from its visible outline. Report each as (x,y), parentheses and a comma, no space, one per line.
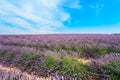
(69,66)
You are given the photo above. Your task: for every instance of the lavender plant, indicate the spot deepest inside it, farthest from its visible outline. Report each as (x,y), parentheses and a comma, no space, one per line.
(57,57)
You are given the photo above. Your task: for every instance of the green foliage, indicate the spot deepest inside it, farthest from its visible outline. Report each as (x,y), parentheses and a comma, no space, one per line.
(27,55)
(41,47)
(79,50)
(105,50)
(72,66)
(69,65)
(69,49)
(49,48)
(117,50)
(112,69)
(50,62)
(58,48)
(11,56)
(3,53)
(95,52)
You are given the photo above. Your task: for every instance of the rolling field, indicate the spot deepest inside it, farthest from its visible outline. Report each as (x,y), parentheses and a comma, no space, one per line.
(60,57)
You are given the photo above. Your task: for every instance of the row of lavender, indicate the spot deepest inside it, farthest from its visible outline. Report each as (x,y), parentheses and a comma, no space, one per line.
(83,45)
(51,55)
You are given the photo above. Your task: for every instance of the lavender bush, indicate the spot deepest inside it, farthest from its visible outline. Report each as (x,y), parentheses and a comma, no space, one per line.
(61,57)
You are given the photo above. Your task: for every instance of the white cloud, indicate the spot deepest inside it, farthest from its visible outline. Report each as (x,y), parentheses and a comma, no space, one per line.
(35,16)
(72,4)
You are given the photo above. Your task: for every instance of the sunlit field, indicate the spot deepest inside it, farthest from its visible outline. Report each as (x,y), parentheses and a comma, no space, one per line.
(60,57)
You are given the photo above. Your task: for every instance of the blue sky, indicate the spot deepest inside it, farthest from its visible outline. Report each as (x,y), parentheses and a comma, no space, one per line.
(59,16)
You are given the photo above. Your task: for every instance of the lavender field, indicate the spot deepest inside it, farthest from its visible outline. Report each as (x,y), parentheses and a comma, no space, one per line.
(60,57)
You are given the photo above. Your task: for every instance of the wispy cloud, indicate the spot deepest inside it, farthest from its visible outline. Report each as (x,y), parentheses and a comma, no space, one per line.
(98,6)
(72,4)
(34,16)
